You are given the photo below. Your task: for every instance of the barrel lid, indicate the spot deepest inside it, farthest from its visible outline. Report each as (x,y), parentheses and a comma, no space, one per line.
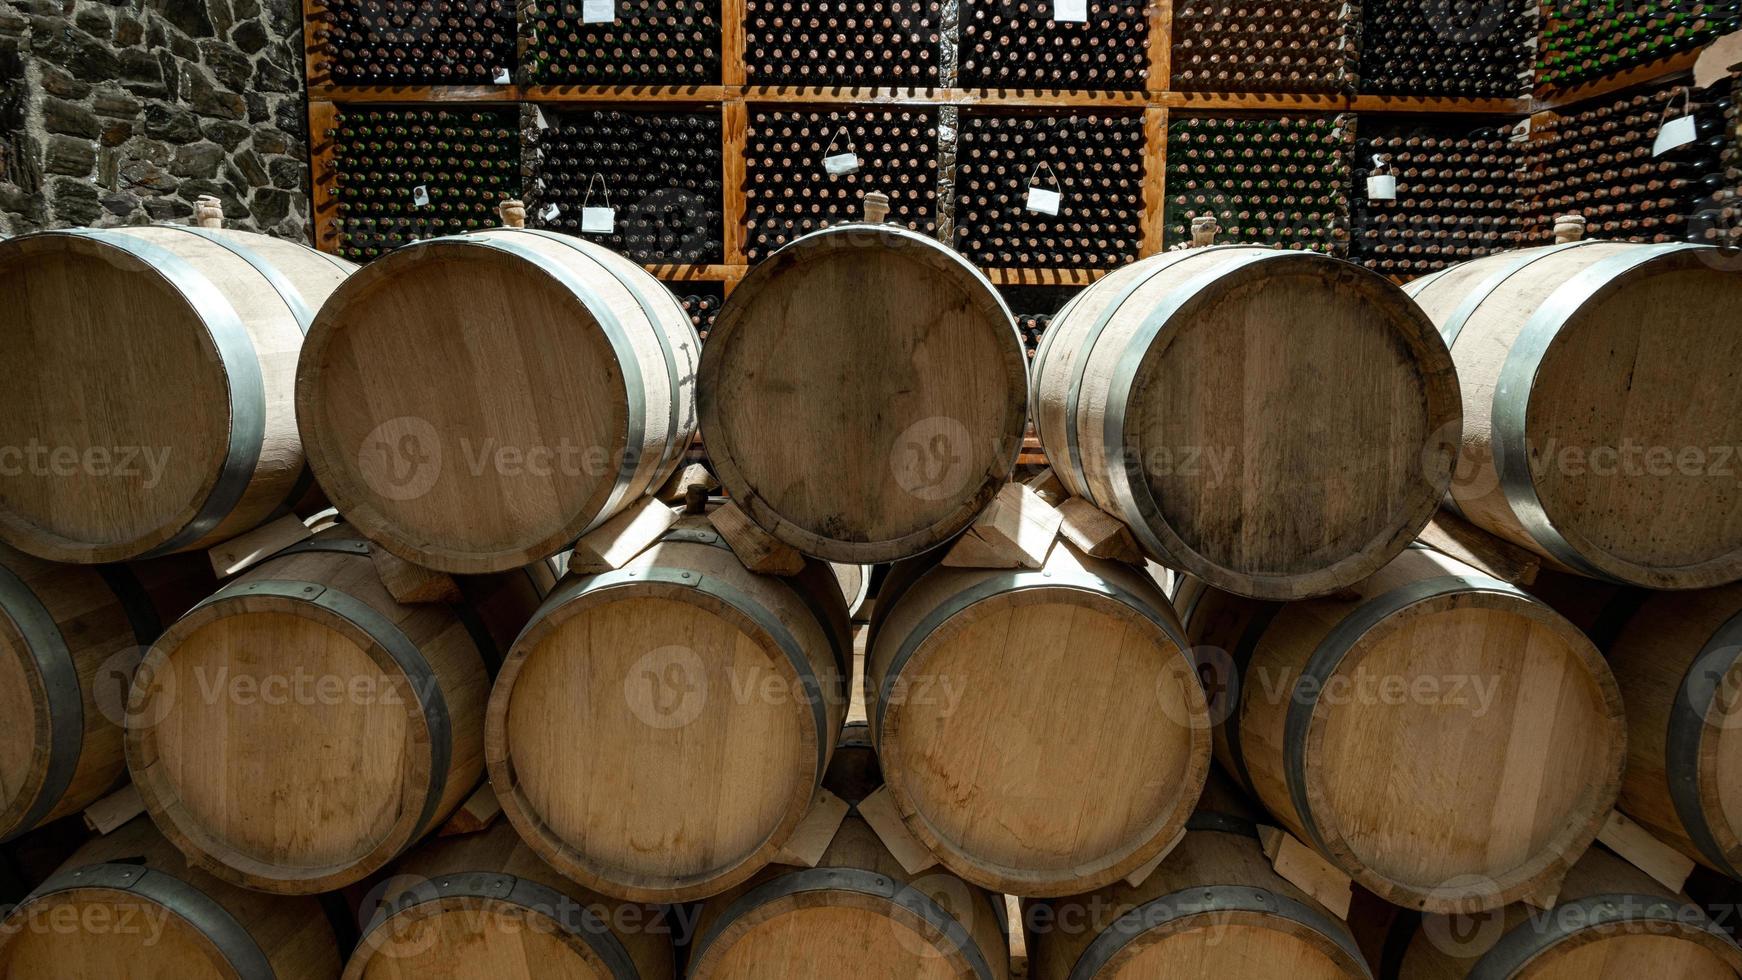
(118,432)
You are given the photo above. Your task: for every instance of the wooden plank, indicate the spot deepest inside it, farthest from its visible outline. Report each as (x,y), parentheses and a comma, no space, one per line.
(756,548)
(1160,46)
(1452,536)
(1255,101)
(1044,277)
(677,488)
(1303,868)
(734,134)
(814,833)
(1015,928)
(1016,531)
(475,815)
(694,273)
(879,811)
(103,816)
(1039,98)
(247,550)
(1405,103)
(1657,71)
(732,43)
(322,118)
(605,95)
(412,583)
(1097,533)
(315,18)
(1666,865)
(497,94)
(612,544)
(1154,219)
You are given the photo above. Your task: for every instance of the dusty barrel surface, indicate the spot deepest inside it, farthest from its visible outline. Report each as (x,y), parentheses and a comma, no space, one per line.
(658,732)
(484,907)
(129,905)
(1678,661)
(1443,738)
(155,415)
(70,638)
(299,729)
(857,913)
(1610,922)
(1279,424)
(899,383)
(1062,699)
(478,402)
(1582,444)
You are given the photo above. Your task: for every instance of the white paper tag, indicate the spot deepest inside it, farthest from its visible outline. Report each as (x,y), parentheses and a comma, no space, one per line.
(599,221)
(1521,132)
(502,76)
(841,164)
(538,117)
(1043,200)
(420,196)
(1382,188)
(598,11)
(549,212)
(1070,11)
(1676,132)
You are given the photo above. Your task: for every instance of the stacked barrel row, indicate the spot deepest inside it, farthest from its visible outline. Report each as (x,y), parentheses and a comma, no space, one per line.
(1274,427)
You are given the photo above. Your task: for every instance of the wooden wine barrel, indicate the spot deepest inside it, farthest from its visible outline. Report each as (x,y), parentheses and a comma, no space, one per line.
(70,638)
(1611,922)
(856,914)
(1678,661)
(1604,411)
(129,905)
(1279,424)
(190,338)
(1061,699)
(299,729)
(899,383)
(1213,908)
(478,402)
(484,907)
(658,732)
(1447,741)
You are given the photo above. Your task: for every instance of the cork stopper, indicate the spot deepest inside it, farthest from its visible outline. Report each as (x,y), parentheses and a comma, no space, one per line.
(1204,231)
(876,207)
(513,213)
(208,212)
(1569,228)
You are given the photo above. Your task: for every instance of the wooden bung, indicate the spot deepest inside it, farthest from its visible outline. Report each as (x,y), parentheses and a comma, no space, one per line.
(299,729)
(1213,908)
(130,905)
(1439,736)
(1600,383)
(476,403)
(155,414)
(1612,922)
(857,913)
(484,906)
(70,638)
(1061,699)
(1280,424)
(1678,661)
(659,731)
(863,394)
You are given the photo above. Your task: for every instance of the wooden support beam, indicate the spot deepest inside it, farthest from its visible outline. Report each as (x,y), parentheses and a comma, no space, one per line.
(879,811)
(1097,533)
(734,135)
(1304,868)
(244,551)
(1153,224)
(110,812)
(814,833)
(411,583)
(756,548)
(323,117)
(1016,531)
(1636,845)
(475,815)
(613,543)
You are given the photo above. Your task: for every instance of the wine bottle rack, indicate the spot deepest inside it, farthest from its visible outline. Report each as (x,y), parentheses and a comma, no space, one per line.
(702,301)
(647,42)
(1451,48)
(1457,193)
(842,42)
(401,174)
(1040,44)
(1094,163)
(789,191)
(1586,40)
(427,42)
(659,173)
(1034,308)
(1250,46)
(1280,181)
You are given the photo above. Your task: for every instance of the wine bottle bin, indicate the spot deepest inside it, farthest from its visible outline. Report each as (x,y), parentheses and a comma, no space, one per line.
(701,300)
(843,42)
(1306,46)
(1585,40)
(1042,44)
(401,174)
(427,42)
(1014,172)
(790,188)
(1448,48)
(1280,181)
(1457,194)
(647,42)
(1034,308)
(659,173)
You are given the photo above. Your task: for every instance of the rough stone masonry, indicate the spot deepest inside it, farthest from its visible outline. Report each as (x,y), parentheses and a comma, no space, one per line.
(125,112)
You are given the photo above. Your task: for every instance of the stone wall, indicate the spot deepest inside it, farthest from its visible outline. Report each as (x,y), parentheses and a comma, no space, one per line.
(125,112)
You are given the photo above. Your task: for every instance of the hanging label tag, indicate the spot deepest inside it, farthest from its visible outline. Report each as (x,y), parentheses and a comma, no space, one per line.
(841,164)
(1382,188)
(1070,11)
(538,117)
(598,11)
(1521,132)
(502,76)
(549,212)
(1043,200)
(1676,132)
(420,196)
(599,221)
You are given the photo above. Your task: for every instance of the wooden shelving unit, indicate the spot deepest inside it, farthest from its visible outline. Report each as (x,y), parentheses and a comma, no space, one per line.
(733,99)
